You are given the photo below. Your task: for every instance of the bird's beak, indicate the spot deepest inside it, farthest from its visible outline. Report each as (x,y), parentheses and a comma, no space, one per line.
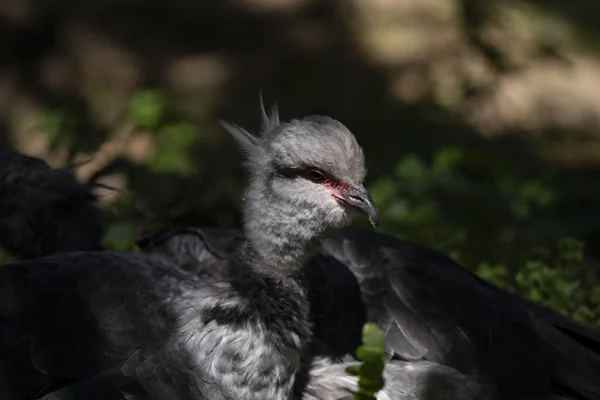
(356,198)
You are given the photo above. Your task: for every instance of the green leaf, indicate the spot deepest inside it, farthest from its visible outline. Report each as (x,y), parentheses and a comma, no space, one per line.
(371,385)
(174,145)
(61,126)
(147,109)
(411,168)
(373,370)
(370,373)
(373,336)
(368,353)
(447,158)
(353,369)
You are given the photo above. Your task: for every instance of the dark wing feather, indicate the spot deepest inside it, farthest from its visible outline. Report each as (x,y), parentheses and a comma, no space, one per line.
(196,250)
(583,334)
(434,308)
(72,315)
(338,312)
(45,210)
(104,386)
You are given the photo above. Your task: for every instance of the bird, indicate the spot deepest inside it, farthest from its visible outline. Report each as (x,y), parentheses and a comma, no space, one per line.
(432,310)
(326,379)
(45,210)
(71,315)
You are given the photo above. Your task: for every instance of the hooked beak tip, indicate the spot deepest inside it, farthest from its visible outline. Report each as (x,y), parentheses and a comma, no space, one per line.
(359,200)
(374,220)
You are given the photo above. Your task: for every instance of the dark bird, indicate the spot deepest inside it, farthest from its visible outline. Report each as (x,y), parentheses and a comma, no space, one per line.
(45,210)
(74,316)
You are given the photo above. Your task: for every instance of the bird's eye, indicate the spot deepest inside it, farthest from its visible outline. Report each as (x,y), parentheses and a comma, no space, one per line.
(316,176)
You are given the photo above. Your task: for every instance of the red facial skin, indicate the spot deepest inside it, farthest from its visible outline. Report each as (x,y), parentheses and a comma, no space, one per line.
(336,187)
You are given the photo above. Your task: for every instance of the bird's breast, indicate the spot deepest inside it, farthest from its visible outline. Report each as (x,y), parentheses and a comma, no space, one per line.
(241,362)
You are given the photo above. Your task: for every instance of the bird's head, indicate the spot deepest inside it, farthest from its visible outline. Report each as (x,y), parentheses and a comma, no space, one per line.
(312,166)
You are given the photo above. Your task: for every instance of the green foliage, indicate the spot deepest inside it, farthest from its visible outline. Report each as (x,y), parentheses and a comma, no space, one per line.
(173,149)
(60,126)
(407,201)
(526,196)
(3,257)
(120,236)
(486,214)
(147,109)
(174,141)
(459,201)
(497,274)
(558,277)
(370,372)
(63,126)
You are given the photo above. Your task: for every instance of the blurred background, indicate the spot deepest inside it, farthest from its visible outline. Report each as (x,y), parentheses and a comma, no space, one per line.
(480,119)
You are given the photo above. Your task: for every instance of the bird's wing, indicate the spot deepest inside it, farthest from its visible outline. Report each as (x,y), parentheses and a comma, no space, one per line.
(45,210)
(71,315)
(104,386)
(575,346)
(434,309)
(585,335)
(196,250)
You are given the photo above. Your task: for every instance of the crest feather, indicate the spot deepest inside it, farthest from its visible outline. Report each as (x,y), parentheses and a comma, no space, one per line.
(250,144)
(245,139)
(268,121)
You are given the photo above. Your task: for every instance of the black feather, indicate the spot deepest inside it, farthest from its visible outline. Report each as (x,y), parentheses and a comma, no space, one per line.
(45,210)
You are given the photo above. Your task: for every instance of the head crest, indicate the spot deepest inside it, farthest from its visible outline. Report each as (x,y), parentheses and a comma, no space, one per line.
(252,145)
(268,121)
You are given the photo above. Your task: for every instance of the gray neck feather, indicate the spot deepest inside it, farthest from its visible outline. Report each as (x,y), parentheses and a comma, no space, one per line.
(280,234)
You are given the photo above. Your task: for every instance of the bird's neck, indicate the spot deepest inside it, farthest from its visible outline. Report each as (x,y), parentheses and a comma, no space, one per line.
(280,236)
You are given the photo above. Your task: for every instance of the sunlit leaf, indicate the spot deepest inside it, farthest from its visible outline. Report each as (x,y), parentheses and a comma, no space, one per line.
(174,149)
(146,109)
(372,353)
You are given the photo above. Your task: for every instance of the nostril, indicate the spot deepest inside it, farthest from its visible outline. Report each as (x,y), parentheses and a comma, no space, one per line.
(356,199)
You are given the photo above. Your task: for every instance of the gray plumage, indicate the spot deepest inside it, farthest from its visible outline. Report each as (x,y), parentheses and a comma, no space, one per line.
(315,141)
(497,345)
(281,196)
(403,381)
(178,334)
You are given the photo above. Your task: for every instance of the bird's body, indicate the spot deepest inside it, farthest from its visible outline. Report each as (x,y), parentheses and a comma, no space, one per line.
(430,308)
(239,335)
(168,329)
(45,210)
(450,335)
